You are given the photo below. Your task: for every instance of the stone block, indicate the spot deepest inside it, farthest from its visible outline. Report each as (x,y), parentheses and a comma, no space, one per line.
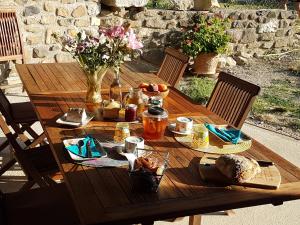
(243,16)
(48,19)
(51,30)
(63,12)
(152,13)
(281,42)
(50,6)
(280,33)
(55,48)
(266,36)
(235,35)
(269,27)
(183,5)
(251,24)
(33,39)
(272,14)
(155,23)
(68,1)
(79,11)
(34,28)
(31,10)
(40,52)
(248,36)
(93,9)
(96,21)
(172,24)
(267,45)
(111,21)
(82,23)
(252,16)
(32,20)
(237,24)
(123,3)
(284,14)
(63,57)
(283,24)
(289,32)
(65,22)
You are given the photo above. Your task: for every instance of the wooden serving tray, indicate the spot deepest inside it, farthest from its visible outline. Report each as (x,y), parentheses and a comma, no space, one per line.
(268,178)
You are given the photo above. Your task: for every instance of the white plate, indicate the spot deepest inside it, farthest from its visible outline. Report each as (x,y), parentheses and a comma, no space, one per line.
(75,141)
(172,128)
(62,120)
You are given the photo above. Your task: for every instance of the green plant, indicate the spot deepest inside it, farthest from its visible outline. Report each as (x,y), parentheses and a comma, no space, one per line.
(199,89)
(206,35)
(160,4)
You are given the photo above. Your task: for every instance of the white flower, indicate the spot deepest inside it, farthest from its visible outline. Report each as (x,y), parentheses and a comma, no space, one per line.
(102,39)
(83,35)
(105,57)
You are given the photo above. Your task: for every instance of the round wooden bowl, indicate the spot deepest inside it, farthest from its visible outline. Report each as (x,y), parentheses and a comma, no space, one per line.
(163,94)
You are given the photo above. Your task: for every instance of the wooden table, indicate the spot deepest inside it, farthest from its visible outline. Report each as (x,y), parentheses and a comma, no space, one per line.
(49,78)
(104,195)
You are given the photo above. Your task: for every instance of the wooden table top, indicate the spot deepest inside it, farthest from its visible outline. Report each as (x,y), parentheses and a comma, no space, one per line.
(51,78)
(104,195)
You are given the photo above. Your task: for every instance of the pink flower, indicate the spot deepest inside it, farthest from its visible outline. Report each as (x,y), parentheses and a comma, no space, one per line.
(114,32)
(133,43)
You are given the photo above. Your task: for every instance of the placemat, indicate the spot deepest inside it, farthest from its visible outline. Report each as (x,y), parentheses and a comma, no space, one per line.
(215,146)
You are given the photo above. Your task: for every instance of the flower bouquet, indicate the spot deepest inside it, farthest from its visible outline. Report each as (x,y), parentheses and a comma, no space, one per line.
(96,54)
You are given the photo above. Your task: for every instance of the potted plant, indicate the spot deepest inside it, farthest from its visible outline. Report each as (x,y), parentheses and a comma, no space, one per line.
(204,40)
(96,54)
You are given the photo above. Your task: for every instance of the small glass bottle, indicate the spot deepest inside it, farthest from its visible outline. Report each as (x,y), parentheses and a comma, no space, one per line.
(115,92)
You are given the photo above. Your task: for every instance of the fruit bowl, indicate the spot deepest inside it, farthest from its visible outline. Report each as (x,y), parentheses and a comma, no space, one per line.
(163,94)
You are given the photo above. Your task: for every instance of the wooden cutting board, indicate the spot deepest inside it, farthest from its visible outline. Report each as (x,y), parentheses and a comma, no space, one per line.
(269,178)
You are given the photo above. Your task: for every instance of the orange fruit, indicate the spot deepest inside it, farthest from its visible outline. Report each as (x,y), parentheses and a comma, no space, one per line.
(143,85)
(162,87)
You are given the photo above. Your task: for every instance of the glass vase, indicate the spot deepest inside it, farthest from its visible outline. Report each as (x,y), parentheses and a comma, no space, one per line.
(115,92)
(94,82)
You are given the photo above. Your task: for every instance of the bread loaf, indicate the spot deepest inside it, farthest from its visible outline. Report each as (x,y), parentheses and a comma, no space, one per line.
(237,168)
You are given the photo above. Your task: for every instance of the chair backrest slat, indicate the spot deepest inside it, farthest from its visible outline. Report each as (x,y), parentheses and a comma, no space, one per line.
(5,107)
(10,38)
(232,99)
(173,66)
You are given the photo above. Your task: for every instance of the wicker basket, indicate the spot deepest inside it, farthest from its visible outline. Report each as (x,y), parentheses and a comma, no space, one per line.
(206,63)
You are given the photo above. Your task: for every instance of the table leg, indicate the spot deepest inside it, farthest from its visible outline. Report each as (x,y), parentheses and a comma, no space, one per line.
(195,220)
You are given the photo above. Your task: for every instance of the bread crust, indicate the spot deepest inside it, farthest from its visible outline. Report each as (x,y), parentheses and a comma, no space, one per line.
(237,168)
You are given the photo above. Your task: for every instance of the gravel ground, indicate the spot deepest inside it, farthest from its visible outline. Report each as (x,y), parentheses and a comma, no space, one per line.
(263,71)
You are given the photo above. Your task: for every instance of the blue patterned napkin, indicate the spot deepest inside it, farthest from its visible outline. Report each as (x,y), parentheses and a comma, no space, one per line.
(83,150)
(230,135)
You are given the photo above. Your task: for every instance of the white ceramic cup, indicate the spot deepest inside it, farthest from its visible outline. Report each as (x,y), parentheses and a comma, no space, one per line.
(184,124)
(132,143)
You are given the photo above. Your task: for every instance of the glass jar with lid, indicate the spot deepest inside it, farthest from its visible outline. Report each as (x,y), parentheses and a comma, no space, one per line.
(155,121)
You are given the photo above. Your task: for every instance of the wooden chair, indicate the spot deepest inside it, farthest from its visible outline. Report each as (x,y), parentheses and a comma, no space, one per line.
(47,206)
(173,66)
(232,99)
(37,163)
(20,116)
(11,47)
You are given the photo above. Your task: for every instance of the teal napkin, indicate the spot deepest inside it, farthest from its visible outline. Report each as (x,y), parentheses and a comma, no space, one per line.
(82,150)
(231,135)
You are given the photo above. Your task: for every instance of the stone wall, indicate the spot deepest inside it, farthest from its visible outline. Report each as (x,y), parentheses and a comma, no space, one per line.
(252,32)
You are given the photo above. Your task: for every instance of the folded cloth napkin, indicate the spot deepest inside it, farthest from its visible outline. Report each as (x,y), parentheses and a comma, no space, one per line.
(86,148)
(231,135)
